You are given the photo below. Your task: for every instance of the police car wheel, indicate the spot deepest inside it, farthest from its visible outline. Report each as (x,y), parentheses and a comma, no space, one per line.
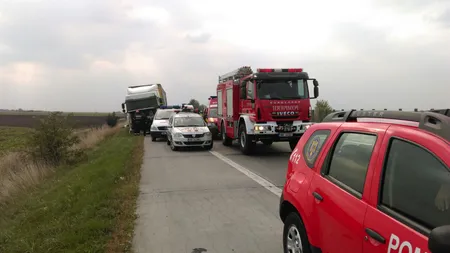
(153,138)
(209,147)
(295,239)
(173,147)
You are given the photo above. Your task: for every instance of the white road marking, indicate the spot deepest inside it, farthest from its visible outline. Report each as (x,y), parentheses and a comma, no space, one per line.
(263,182)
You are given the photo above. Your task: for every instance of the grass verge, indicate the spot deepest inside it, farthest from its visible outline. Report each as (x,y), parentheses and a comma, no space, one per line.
(12,138)
(88,208)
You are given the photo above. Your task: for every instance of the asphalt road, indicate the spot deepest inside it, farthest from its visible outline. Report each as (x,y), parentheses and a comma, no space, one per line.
(196,201)
(269,162)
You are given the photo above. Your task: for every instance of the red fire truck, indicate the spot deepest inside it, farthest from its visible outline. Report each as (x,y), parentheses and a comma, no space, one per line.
(211,118)
(269,105)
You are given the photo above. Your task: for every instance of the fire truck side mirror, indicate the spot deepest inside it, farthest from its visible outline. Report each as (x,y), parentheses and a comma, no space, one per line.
(315,83)
(316,91)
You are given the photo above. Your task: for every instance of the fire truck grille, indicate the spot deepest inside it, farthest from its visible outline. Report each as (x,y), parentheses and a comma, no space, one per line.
(285,117)
(193,135)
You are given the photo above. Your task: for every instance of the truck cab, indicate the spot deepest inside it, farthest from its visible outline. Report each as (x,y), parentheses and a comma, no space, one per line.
(271,105)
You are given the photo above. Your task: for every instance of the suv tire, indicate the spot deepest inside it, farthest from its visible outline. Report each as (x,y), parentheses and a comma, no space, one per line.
(296,232)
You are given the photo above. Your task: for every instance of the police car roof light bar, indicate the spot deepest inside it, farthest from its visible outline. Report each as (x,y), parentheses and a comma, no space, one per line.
(434,122)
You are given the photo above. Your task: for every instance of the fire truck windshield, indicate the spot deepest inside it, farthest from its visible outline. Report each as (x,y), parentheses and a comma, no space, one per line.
(212,113)
(282,89)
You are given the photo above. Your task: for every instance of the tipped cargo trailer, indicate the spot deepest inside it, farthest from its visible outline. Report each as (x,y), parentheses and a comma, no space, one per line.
(141,103)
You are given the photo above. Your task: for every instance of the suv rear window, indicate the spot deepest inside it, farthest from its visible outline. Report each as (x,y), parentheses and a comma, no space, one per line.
(416,185)
(350,159)
(314,145)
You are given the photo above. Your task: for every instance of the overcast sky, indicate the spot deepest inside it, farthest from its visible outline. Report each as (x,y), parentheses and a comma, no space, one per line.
(81,55)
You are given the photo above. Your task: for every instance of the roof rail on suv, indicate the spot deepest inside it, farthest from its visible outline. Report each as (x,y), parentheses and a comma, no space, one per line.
(442,111)
(435,121)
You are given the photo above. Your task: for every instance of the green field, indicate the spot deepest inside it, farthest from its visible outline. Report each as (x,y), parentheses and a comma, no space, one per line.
(87,208)
(13,138)
(46,113)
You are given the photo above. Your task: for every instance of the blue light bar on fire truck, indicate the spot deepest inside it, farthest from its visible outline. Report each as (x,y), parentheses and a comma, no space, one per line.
(279,70)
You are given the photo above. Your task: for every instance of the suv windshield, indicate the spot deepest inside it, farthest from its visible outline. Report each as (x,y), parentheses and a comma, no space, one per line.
(212,113)
(188,122)
(164,114)
(282,89)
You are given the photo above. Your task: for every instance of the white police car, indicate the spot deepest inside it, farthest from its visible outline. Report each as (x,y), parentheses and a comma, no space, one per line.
(161,122)
(187,129)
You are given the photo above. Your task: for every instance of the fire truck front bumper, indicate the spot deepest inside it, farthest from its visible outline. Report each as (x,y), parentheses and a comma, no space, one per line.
(279,132)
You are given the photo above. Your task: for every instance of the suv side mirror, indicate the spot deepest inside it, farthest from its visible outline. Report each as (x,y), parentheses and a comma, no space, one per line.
(439,240)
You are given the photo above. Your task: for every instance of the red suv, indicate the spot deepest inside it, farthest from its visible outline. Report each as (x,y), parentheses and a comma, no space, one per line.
(371,182)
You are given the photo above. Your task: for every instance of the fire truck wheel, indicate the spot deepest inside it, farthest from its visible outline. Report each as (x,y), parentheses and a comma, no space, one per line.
(245,141)
(226,141)
(293,144)
(267,142)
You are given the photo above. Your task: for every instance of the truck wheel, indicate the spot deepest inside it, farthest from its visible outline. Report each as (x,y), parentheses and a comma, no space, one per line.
(295,238)
(293,144)
(245,141)
(226,141)
(267,142)
(153,138)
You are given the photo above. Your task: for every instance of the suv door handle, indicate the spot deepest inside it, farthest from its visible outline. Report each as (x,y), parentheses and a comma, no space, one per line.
(374,235)
(317,196)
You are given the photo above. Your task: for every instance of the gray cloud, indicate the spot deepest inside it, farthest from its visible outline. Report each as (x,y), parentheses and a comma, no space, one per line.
(444,18)
(198,38)
(66,36)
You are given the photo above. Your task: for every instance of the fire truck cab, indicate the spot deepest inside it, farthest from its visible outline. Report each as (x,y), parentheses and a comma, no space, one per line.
(269,105)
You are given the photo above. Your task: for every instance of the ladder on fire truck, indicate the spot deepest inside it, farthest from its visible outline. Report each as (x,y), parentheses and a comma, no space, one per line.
(236,74)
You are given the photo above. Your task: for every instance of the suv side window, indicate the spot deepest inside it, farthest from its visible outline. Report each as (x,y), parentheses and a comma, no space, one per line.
(314,145)
(416,185)
(349,161)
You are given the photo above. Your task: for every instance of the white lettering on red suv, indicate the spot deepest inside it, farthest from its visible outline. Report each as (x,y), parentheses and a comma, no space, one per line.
(395,245)
(295,157)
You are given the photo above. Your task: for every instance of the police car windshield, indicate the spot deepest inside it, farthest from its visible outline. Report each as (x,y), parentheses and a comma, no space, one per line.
(282,89)
(164,114)
(188,122)
(212,113)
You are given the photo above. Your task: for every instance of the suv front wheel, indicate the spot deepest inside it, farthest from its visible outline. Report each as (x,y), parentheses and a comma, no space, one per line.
(295,239)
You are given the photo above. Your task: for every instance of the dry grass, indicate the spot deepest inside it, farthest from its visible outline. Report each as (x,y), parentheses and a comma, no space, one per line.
(18,172)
